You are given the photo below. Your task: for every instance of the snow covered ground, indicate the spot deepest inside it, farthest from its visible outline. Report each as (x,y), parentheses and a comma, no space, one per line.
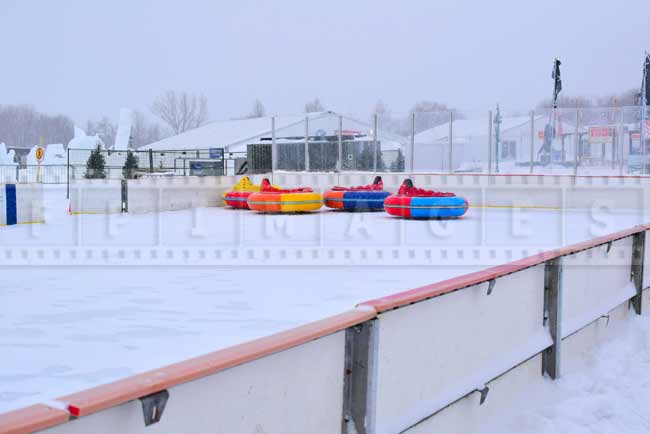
(70,323)
(610,394)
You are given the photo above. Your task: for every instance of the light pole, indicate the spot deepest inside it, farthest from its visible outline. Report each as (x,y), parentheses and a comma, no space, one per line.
(497,135)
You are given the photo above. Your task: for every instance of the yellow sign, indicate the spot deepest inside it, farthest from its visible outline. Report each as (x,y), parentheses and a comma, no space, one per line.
(40,153)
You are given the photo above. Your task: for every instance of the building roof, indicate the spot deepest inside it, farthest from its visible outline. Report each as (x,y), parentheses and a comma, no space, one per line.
(234,135)
(475,127)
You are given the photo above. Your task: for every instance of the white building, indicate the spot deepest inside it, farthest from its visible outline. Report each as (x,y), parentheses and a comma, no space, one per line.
(234,136)
(471,142)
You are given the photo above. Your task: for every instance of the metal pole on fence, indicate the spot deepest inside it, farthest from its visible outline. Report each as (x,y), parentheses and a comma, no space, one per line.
(451,138)
(412,156)
(67,195)
(642,103)
(306,143)
(151,161)
(532,140)
(340,150)
(374,144)
(577,159)
(274,147)
(489,142)
(621,140)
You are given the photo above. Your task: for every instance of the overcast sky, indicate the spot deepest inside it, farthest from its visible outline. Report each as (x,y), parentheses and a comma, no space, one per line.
(88,58)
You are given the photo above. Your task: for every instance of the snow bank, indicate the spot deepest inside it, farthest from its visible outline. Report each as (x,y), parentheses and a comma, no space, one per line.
(610,394)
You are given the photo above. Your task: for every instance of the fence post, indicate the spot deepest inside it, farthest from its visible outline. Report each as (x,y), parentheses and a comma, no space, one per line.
(306,143)
(360,377)
(125,195)
(340,137)
(67,194)
(412,157)
(553,316)
(151,161)
(374,144)
(532,140)
(489,142)
(578,144)
(621,140)
(636,272)
(274,148)
(451,138)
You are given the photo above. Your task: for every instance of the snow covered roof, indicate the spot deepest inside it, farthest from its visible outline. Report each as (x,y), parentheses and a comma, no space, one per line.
(229,133)
(235,134)
(475,127)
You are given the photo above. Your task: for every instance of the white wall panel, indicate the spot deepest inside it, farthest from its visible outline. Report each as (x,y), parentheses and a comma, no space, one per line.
(296,391)
(96,196)
(435,351)
(594,282)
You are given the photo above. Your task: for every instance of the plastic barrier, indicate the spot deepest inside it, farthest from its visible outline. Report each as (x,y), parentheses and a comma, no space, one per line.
(95,196)
(153,194)
(149,194)
(501,191)
(411,362)
(21,203)
(156,194)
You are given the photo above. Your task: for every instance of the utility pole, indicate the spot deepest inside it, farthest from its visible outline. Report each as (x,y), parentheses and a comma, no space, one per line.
(497,135)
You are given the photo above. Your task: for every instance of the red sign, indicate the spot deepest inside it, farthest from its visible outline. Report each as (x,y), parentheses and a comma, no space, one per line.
(601,134)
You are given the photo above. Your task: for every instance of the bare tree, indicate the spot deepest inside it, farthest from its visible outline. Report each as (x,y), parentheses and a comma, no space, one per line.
(381,109)
(567,101)
(314,106)
(180,110)
(429,114)
(104,128)
(144,132)
(23,126)
(258,110)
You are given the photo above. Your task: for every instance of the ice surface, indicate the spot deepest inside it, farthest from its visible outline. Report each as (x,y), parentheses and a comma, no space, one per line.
(65,328)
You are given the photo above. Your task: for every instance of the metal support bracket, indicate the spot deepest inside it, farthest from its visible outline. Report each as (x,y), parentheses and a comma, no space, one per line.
(606,316)
(153,406)
(552,316)
(491,286)
(484,393)
(609,247)
(359,378)
(636,271)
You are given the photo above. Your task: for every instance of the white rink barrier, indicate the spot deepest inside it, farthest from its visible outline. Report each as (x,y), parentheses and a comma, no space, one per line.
(96,196)
(594,193)
(534,191)
(439,358)
(149,194)
(155,194)
(21,203)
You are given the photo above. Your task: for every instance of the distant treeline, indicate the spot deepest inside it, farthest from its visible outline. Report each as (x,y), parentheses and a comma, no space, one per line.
(23,126)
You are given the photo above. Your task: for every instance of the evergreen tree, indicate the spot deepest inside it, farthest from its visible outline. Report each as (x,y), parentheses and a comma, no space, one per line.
(95,165)
(399,165)
(381,167)
(130,165)
(364,160)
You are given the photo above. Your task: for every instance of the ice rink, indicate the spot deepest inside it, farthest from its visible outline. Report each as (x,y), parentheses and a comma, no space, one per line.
(209,278)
